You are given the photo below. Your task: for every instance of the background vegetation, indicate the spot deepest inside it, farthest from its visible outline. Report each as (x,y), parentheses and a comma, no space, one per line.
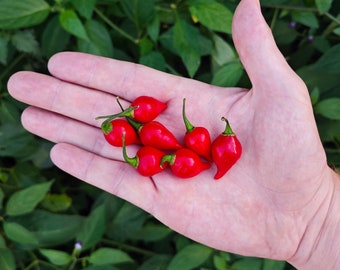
(48,220)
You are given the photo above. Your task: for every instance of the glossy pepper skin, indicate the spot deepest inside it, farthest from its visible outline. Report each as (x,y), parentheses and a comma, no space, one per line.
(155,134)
(147,160)
(226,149)
(196,138)
(148,108)
(114,129)
(143,109)
(185,163)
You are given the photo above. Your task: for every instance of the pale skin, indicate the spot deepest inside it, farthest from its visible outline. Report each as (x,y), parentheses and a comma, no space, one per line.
(280,199)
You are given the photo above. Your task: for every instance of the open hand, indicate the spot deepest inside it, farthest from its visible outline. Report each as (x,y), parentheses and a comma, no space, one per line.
(261,207)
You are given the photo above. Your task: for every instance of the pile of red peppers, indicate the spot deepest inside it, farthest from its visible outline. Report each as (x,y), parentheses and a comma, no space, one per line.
(161,149)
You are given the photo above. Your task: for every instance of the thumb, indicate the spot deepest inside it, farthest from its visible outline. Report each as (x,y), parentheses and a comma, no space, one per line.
(255,44)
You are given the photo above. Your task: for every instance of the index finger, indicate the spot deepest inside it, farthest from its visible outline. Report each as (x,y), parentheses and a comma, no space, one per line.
(120,78)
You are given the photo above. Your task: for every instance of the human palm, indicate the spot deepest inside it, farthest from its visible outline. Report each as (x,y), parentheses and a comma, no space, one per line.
(260,207)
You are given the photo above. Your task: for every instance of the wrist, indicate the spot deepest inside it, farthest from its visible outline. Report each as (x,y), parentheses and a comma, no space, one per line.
(319,246)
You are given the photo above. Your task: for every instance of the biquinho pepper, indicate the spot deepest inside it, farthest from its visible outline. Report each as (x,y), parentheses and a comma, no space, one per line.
(147,160)
(114,129)
(226,149)
(185,163)
(143,109)
(196,138)
(155,134)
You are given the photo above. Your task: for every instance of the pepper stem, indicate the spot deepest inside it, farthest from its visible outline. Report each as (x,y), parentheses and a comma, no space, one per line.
(125,113)
(228,131)
(132,161)
(106,127)
(189,127)
(135,124)
(170,158)
(120,105)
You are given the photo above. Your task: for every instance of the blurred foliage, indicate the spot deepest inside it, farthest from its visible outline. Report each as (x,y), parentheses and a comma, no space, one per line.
(50,220)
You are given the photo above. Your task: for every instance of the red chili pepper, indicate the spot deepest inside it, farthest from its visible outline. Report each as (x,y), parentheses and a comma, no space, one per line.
(114,129)
(147,160)
(143,109)
(196,138)
(156,135)
(185,163)
(226,149)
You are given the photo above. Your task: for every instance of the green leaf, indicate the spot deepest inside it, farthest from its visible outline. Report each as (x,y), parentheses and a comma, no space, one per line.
(153,28)
(222,52)
(99,42)
(139,11)
(51,229)
(3,50)
(8,111)
(284,34)
(337,31)
(70,21)
(273,265)
(127,222)
(84,7)
(109,256)
(248,263)
(190,57)
(16,141)
(25,41)
(145,46)
(7,261)
(156,262)
(315,95)
(329,108)
(93,229)
(220,263)
(19,234)
(213,15)
(24,201)
(323,5)
(306,18)
(153,59)
(190,257)
(329,61)
(23,13)
(54,38)
(101,267)
(56,202)
(56,257)
(153,232)
(228,75)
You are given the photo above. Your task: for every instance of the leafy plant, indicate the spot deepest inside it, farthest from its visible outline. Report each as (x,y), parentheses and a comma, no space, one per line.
(50,220)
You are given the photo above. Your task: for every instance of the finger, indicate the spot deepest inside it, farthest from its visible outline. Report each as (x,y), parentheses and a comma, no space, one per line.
(64,98)
(111,176)
(121,78)
(57,128)
(263,61)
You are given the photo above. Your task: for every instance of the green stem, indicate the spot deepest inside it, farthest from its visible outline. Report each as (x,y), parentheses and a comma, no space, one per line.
(120,105)
(170,158)
(273,22)
(132,161)
(334,19)
(128,247)
(228,131)
(115,27)
(189,127)
(125,113)
(335,22)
